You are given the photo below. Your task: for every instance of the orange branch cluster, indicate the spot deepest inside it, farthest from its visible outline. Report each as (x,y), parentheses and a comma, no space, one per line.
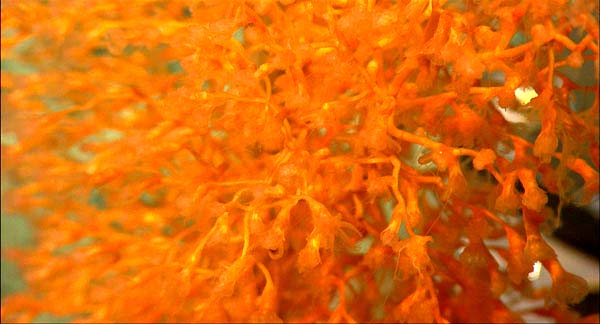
(295,160)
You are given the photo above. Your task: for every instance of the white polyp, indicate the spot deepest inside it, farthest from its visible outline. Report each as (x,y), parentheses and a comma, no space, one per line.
(535,274)
(525,94)
(509,115)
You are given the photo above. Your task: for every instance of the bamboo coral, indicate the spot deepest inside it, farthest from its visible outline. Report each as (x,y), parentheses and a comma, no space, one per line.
(214,161)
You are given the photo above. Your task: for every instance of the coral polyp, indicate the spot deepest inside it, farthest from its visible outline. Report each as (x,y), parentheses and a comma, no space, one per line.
(344,161)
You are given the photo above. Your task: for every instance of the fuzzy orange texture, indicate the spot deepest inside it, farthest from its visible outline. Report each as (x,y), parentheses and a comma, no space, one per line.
(222,159)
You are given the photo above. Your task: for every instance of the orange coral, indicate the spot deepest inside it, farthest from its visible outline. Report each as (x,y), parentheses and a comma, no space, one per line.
(293,160)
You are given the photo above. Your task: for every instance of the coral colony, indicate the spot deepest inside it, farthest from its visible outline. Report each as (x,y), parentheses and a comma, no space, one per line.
(220,161)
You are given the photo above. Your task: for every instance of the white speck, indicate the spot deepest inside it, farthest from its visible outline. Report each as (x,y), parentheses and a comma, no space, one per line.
(509,115)
(535,274)
(525,94)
